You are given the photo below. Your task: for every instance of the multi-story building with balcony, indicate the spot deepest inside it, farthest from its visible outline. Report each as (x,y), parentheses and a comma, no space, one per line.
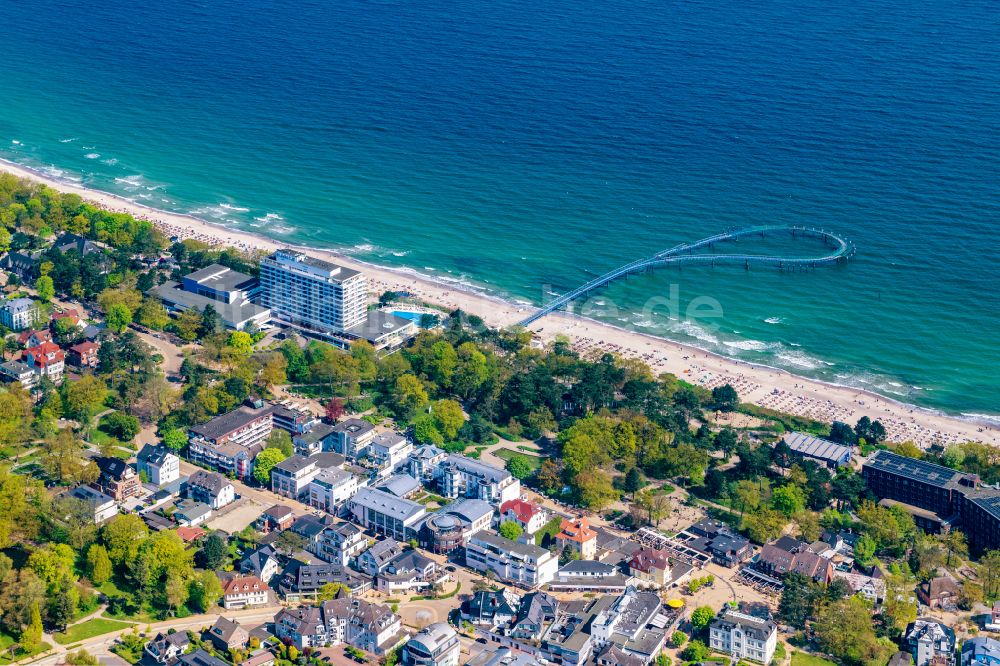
(743,636)
(230,442)
(312,294)
(515,563)
(459,476)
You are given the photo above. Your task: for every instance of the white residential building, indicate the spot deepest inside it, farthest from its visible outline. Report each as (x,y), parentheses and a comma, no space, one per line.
(633,622)
(521,564)
(160,465)
(331,489)
(243,592)
(424,461)
(743,636)
(341,544)
(104,507)
(388,450)
(367,626)
(351,437)
(434,645)
(18,314)
(210,488)
(313,294)
(459,476)
(292,476)
(530,516)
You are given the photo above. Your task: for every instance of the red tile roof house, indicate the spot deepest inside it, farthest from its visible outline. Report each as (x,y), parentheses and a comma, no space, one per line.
(34,338)
(190,534)
(243,591)
(47,360)
(69,313)
(528,515)
(84,354)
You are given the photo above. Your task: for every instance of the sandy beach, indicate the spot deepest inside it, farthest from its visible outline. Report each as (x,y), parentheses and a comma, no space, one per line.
(763,386)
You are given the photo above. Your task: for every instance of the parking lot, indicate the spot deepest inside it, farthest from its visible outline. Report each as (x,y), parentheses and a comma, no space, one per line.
(236,516)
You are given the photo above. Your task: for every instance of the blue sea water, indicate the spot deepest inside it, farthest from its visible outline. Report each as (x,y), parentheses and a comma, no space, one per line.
(522,147)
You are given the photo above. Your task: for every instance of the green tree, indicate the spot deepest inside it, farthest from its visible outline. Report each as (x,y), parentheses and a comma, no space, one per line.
(633,482)
(45,288)
(152,315)
(187,325)
(701,617)
(448,417)
(695,651)
(410,396)
(241,342)
(83,397)
(788,499)
(678,638)
(844,629)
(955,544)
(798,600)
(122,535)
(204,590)
(864,550)
(98,564)
(175,439)
(118,317)
(425,430)
(213,552)
(330,591)
(520,467)
(510,530)
(280,439)
(122,426)
(725,398)
(31,637)
(264,463)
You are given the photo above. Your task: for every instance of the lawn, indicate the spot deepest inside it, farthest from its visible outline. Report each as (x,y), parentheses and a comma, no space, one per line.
(89,629)
(550,528)
(803,659)
(510,454)
(6,641)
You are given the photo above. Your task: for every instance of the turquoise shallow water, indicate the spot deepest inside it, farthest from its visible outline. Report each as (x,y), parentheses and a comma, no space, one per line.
(524,147)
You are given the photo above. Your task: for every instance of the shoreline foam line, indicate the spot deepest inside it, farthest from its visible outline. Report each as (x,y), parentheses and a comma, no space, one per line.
(684,360)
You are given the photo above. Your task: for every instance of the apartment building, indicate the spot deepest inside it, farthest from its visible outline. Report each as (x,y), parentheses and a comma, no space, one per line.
(515,563)
(292,476)
(459,476)
(230,442)
(331,489)
(312,294)
(387,514)
(743,636)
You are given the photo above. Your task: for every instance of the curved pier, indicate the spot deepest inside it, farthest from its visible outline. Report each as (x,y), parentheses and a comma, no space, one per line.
(843,251)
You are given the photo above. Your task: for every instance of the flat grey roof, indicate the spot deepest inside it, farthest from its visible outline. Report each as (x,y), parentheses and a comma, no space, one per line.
(378,325)
(220,277)
(814,447)
(506,545)
(232,313)
(387,503)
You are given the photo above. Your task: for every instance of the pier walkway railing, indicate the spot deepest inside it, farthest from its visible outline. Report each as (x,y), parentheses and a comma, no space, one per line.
(842,251)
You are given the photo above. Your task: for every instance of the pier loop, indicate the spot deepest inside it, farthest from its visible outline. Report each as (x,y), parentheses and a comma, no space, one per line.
(843,251)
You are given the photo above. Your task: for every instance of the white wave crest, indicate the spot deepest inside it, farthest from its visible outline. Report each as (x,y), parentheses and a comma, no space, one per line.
(69,140)
(746,345)
(92,156)
(774,320)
